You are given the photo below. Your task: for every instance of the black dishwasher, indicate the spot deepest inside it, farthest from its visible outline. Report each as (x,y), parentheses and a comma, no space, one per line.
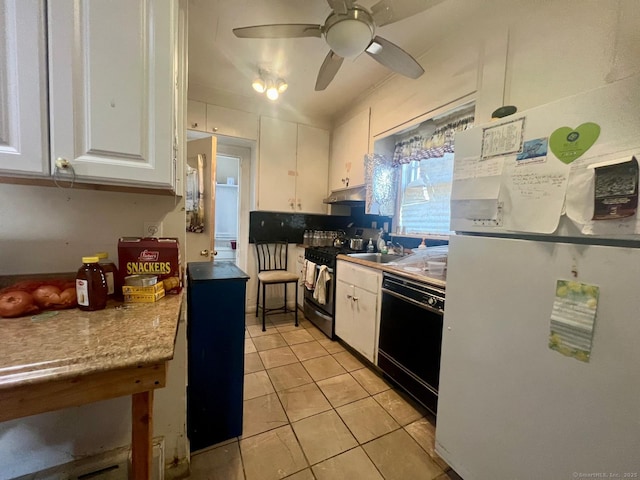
(411,337)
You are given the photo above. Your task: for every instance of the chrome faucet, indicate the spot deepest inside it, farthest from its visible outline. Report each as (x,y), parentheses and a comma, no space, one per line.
(398,248)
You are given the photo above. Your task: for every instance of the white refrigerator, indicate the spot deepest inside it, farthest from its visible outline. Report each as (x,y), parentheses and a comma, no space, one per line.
(513,403)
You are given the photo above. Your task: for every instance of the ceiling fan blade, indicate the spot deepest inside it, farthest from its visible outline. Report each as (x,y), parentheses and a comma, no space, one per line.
(328,70)
(389,11)
(393,57)
(291,30)
(340,6)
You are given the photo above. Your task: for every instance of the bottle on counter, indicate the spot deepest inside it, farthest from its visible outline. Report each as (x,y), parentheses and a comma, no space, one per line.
(111,273)
(382,245)
(370,247)
(91,285)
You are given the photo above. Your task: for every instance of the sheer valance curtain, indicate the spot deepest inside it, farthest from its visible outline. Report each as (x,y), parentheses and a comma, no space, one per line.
(410,148)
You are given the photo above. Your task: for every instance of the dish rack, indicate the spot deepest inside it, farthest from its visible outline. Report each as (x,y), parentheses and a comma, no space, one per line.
(417,260)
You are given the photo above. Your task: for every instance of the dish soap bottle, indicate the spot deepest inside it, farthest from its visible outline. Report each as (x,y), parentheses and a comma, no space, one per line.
(370,247)
(382,245)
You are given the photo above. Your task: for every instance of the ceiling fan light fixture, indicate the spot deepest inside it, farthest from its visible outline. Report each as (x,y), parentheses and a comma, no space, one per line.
(349,38)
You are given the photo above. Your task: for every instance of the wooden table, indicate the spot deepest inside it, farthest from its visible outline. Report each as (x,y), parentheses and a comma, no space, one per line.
(71,358)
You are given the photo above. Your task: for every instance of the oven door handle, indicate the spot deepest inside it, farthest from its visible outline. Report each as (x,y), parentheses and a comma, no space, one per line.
(412,301)
(329,269)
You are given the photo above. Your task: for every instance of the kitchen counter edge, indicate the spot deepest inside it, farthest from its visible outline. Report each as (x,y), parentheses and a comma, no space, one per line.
(74,343)
(439,281)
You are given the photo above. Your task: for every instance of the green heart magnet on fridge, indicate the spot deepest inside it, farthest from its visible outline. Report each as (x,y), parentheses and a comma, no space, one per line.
(568,144)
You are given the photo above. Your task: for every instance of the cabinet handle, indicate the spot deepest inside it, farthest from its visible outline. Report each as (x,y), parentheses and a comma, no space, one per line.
(214,129)
(194,125)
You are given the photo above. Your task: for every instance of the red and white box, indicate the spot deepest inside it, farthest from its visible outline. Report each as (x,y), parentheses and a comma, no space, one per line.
(151,256)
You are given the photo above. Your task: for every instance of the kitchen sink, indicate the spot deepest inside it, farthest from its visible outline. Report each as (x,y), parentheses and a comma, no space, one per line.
(376,257)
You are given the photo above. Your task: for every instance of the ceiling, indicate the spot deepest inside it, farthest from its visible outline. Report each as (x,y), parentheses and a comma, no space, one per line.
(224,66)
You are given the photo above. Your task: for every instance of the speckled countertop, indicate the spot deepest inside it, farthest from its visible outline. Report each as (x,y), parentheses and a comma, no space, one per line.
(437,280)
(72,342)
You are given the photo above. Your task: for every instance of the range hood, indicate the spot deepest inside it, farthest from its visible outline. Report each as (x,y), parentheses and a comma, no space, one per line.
(352,196)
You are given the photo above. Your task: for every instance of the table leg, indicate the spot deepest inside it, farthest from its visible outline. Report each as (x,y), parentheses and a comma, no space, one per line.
(142,435)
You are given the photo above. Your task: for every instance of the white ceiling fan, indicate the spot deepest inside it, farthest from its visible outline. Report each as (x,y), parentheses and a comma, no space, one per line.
(350,30)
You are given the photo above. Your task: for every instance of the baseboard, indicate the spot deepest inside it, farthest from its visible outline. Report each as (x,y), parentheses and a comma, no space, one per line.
(111,465)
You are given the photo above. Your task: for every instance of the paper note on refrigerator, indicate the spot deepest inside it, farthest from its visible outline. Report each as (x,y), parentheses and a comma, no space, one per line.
(534,195)
(572,319)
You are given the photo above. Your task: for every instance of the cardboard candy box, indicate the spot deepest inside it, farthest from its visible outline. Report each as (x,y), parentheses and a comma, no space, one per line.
(151,256)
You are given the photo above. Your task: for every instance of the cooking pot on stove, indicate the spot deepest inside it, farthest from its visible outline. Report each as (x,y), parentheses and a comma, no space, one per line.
(339,240)
(356,243)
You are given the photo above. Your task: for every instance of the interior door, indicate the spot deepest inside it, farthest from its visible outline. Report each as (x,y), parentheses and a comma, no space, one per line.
(200,245)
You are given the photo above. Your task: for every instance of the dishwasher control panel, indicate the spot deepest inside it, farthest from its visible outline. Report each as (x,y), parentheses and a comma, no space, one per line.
(427,296)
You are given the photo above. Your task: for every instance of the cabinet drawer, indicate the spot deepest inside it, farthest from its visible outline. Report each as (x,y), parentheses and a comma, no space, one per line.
(362,277)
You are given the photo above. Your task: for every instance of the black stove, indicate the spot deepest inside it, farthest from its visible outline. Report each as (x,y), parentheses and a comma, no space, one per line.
(326,255)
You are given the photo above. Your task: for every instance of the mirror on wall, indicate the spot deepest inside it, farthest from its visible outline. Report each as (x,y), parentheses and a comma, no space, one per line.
(194,194)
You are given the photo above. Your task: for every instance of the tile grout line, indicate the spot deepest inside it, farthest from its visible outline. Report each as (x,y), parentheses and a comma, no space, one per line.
(334,409)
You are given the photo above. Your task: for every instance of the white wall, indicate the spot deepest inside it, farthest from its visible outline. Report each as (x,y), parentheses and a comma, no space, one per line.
(521,52)
(43,230)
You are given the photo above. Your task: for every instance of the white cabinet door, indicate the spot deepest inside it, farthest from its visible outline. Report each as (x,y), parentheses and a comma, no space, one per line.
(231,122)
(23,90)
(197,115)
(357,308)
(312,167)
(277,170)
(343,310)
(112,86)
(349,145)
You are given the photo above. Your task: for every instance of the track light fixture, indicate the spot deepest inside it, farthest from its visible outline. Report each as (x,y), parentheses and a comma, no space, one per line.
(271,86)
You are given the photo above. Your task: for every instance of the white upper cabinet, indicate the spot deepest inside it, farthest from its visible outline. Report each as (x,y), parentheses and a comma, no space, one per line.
(231,122)
(277,174)
(23,118)
(293,167)
(221,120)
(349,145)
(196,115)
(312,166)
(113,87)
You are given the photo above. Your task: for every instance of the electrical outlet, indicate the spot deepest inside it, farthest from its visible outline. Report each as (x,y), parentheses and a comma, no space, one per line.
(152,229)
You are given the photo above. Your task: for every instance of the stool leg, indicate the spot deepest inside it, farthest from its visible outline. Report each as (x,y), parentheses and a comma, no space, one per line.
(295,304)
(258,298)
(264,306)
(285,297)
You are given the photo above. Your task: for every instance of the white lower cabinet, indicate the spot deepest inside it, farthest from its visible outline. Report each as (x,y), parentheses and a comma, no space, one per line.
(357,307)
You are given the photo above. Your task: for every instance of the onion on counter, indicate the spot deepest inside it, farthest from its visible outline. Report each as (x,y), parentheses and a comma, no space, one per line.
(16,303)
(46,296)
(68,298)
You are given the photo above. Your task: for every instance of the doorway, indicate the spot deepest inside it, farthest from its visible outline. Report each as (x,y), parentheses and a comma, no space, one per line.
(233,189)
(199,200)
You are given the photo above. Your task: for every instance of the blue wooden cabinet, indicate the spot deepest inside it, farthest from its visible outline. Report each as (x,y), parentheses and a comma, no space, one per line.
(215,339)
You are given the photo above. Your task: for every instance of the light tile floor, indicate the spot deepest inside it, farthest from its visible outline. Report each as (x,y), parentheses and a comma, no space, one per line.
(312,410)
